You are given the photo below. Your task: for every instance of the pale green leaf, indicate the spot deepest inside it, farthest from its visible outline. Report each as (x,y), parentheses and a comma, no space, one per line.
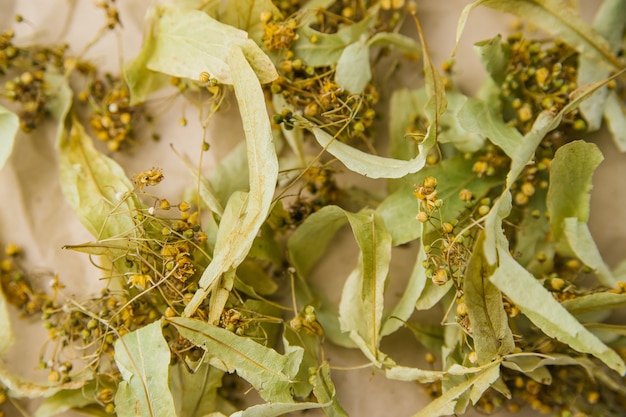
(195,393)
(67,400)
(405,373)
(558,18)
(609,23)
(60,101)
(494,55)
(541,374)
(9,123)
(310,240)
(362,299)
(231,174)
(430,336)
(546,121)
(326,49)
(353,68)
(435,90)
(189,42)
(233,212)
(311,343)
(545,312)
(324,391)
(126,405)
(305,248)
(568,193)
(490,330)
(205,188)
(95,186)
(494,235)
(615,114)
(253,280)
(600,301)
(432,294)
(480,118)
(608,333)
(397,41)
(534,237)
(7,338)
(268,371)
(568,203)
(368,165)
(406,305)
(263,171)
(398,212)
(143,358)
(275,409)
(246,15)
(142,81)
(446,404)
(19,387)
(531,362)
(581,242)
(535,366)
(455,133)
(404,106)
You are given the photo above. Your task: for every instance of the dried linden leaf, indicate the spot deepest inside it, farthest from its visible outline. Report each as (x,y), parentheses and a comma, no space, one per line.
(362,298)
(403,309)
(143,358)
(446,404)
(195,393)
(92,183)
(490,329)
(67,400)
(353,67)
(142,81)
(568,204)
(480,118)
(324,391)
(275,409)
(263,166)
(189,42)
(545,312)
(246,15)
(610,23)
(268,371)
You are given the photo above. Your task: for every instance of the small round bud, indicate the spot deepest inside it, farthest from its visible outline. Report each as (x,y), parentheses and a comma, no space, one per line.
(521,199)
(430,182)
(557,284)
(422,216)
(461,309)
(466,195)
(528,189)
(483,210)
(204,77)
(54,376)
(447,227)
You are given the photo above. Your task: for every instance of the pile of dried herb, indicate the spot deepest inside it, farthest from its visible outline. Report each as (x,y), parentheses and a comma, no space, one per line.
(211,295)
